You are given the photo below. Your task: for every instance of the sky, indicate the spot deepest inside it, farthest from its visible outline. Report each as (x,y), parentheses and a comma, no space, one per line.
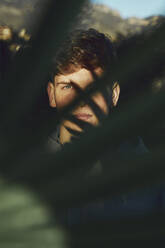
(137,8)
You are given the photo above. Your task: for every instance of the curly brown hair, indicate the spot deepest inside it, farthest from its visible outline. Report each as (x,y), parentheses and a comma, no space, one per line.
(86,49)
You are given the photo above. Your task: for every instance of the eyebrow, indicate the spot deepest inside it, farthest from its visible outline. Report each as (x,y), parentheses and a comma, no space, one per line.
(63,82)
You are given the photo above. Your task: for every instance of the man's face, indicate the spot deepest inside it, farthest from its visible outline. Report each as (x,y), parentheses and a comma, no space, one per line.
(62,92)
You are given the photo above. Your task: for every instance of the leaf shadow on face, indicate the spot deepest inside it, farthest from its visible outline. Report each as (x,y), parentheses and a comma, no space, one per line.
(86,99)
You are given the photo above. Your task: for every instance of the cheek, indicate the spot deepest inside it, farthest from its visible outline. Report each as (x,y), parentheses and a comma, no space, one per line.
(63,98)
(100,101)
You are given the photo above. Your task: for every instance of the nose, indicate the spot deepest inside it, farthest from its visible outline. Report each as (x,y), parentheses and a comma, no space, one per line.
(82,104)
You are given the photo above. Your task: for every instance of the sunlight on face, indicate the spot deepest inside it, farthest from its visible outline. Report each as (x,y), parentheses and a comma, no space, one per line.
(65,93)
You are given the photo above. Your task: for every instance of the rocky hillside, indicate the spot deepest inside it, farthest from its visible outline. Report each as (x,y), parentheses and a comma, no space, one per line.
(14,13)
(110,21)
(23,13)
(19,13)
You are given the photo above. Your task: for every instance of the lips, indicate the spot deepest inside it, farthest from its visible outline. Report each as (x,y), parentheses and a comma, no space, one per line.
(83,116)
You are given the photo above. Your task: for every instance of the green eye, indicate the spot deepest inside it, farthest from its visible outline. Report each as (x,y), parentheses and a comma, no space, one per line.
(68,86)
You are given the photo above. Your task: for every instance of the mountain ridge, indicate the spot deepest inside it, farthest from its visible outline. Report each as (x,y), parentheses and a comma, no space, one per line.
(110,21)
(98,16)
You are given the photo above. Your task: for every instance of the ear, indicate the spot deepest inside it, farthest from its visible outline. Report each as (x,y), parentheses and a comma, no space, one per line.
(51,95)
(115,94)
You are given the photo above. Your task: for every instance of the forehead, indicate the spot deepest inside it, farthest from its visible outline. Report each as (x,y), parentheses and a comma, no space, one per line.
(78,76)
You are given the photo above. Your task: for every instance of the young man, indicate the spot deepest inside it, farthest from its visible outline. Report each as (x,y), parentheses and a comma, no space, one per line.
(83,56)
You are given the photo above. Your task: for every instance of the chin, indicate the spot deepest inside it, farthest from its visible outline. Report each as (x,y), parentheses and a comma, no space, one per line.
(75,127)
(72,126)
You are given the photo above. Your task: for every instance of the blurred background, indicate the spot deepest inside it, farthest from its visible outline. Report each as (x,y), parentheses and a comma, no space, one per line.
(111,16)
(129,23)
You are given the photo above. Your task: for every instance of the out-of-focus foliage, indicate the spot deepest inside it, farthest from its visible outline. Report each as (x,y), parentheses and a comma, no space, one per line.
(26,221)
(14,40)
(59,181)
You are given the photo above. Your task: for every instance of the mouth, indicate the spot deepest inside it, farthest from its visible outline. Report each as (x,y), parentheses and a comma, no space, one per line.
(83,116)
